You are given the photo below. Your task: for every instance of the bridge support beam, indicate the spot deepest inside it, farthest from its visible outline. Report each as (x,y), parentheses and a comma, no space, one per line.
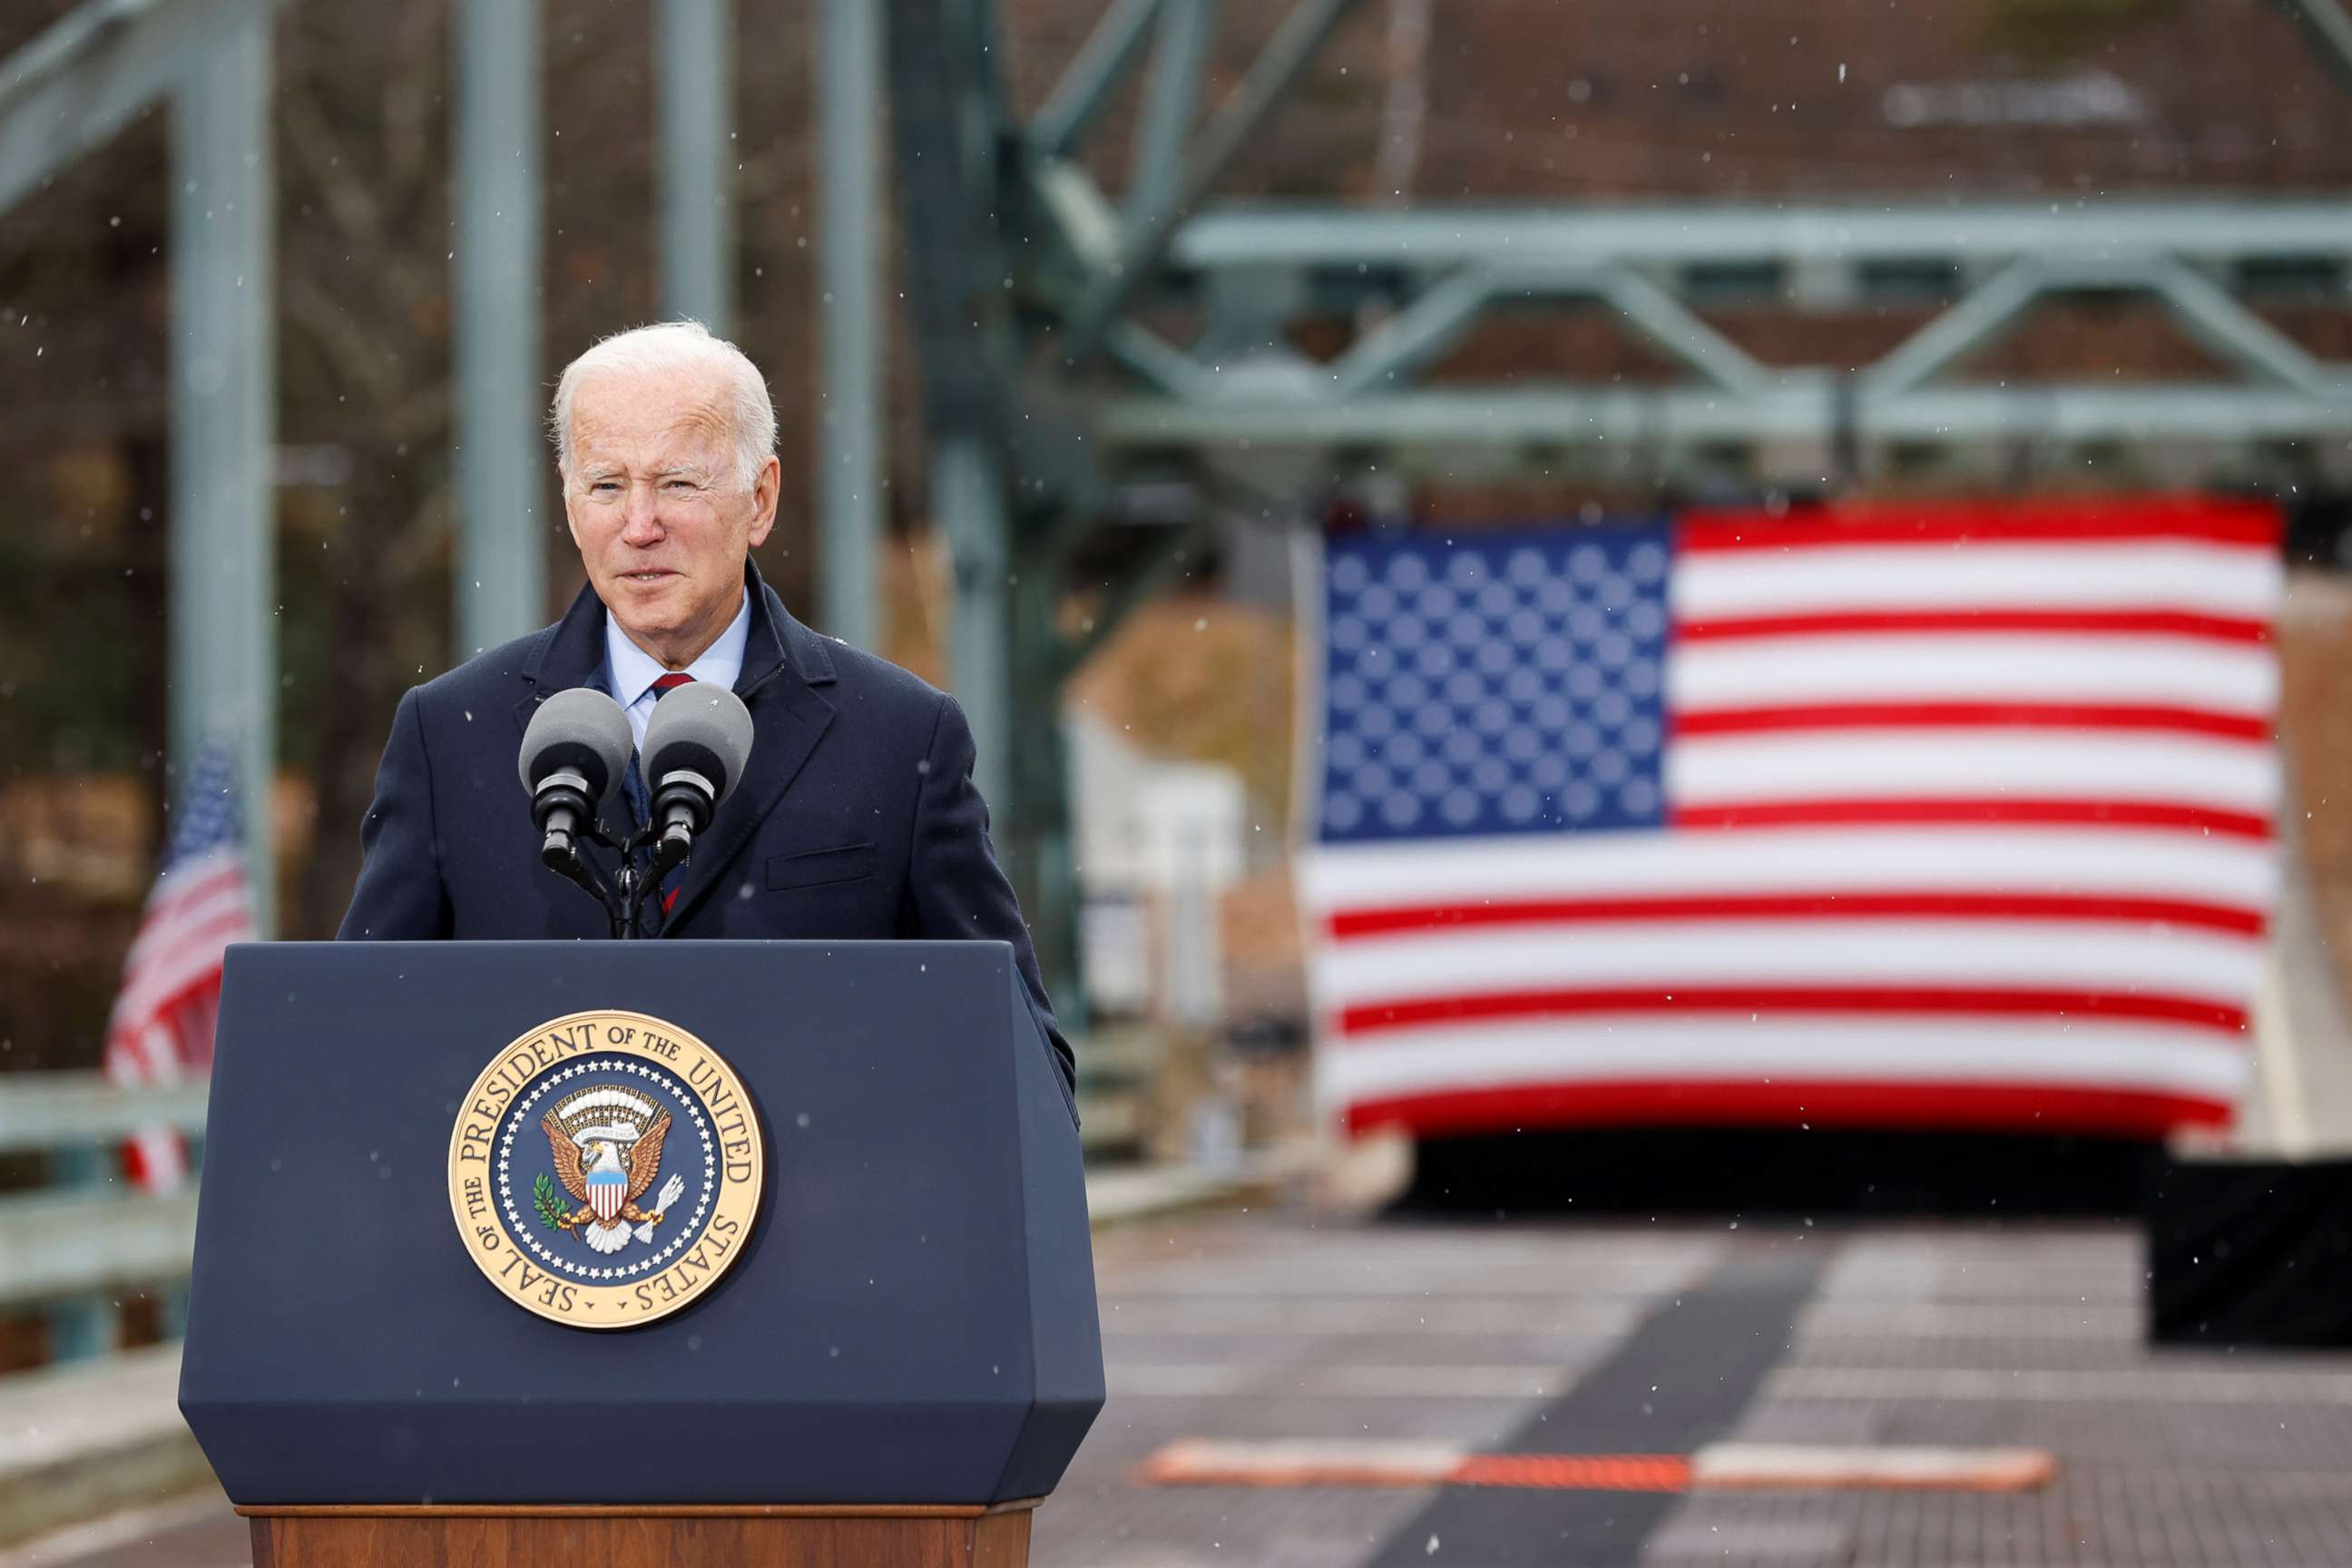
(501,573)
(223,598)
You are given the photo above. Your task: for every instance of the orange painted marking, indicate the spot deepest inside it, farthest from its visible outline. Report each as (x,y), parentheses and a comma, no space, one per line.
(1782,1466)
(1577,1472)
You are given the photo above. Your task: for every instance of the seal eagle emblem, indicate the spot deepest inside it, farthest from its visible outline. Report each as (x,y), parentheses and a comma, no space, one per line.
(650,1180)
(607,1144)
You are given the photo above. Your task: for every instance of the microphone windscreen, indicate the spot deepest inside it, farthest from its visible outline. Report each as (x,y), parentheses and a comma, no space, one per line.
(703,727)
(578,729)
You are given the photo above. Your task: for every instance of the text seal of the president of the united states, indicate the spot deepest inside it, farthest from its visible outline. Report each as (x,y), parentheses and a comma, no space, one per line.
(605,1169)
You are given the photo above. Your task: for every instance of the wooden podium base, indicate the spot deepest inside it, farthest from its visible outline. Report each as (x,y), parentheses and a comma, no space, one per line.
(477,1536)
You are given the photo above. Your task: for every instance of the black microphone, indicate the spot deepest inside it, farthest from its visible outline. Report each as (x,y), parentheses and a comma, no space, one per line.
(574,756)
(695,744)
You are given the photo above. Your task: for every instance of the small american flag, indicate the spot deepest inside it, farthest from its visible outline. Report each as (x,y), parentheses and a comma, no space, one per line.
(1887,816)
(161,1029)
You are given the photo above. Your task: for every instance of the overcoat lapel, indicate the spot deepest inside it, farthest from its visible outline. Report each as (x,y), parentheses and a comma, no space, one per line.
(568,654)
(783,665)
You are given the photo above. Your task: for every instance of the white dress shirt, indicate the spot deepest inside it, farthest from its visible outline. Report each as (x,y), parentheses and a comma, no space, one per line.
(631,672)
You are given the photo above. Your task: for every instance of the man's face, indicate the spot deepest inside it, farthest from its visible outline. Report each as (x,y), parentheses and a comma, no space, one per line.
(661,517)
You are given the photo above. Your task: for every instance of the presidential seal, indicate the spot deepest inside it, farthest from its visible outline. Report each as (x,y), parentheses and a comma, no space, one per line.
(606,1169)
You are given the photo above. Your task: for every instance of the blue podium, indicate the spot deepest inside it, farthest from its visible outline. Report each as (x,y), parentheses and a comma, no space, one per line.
(504,1247)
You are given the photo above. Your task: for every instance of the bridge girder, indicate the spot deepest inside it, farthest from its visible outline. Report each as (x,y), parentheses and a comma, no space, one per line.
(1052,380)
(63,94)
(1417,284)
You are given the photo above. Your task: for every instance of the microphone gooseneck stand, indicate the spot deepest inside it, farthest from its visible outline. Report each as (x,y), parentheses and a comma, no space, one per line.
(576,751)
(622,896)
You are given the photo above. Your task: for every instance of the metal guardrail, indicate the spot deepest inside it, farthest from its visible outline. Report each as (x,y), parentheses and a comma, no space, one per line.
(70,1248)
(47,1111)
(1116,1067)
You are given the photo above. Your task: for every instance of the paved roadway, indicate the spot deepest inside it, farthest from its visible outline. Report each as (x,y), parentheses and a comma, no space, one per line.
(1643,1339)
(1650,1340)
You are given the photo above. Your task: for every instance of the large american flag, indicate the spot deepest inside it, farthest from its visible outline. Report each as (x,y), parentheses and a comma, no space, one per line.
(1883,816)
(161,1029)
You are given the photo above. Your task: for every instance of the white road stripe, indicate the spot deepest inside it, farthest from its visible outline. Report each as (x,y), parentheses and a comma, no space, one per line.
(1808,1466)
(1305,1461)
(1814,1466)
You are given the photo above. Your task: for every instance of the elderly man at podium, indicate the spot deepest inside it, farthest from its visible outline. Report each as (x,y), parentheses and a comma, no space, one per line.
(856,815)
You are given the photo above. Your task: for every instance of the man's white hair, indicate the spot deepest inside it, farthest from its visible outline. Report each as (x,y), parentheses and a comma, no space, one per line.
(668,346)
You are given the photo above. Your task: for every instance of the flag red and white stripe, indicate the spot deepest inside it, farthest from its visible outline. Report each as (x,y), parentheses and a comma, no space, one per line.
(162,1023)
(1967,820)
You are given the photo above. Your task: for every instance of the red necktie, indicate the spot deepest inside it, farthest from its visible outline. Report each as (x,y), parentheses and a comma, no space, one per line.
(662,685)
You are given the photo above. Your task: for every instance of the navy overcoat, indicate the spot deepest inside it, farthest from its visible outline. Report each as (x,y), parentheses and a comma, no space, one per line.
(856,816)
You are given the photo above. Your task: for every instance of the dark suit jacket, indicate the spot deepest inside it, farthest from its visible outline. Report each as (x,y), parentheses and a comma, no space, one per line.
(856,815)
